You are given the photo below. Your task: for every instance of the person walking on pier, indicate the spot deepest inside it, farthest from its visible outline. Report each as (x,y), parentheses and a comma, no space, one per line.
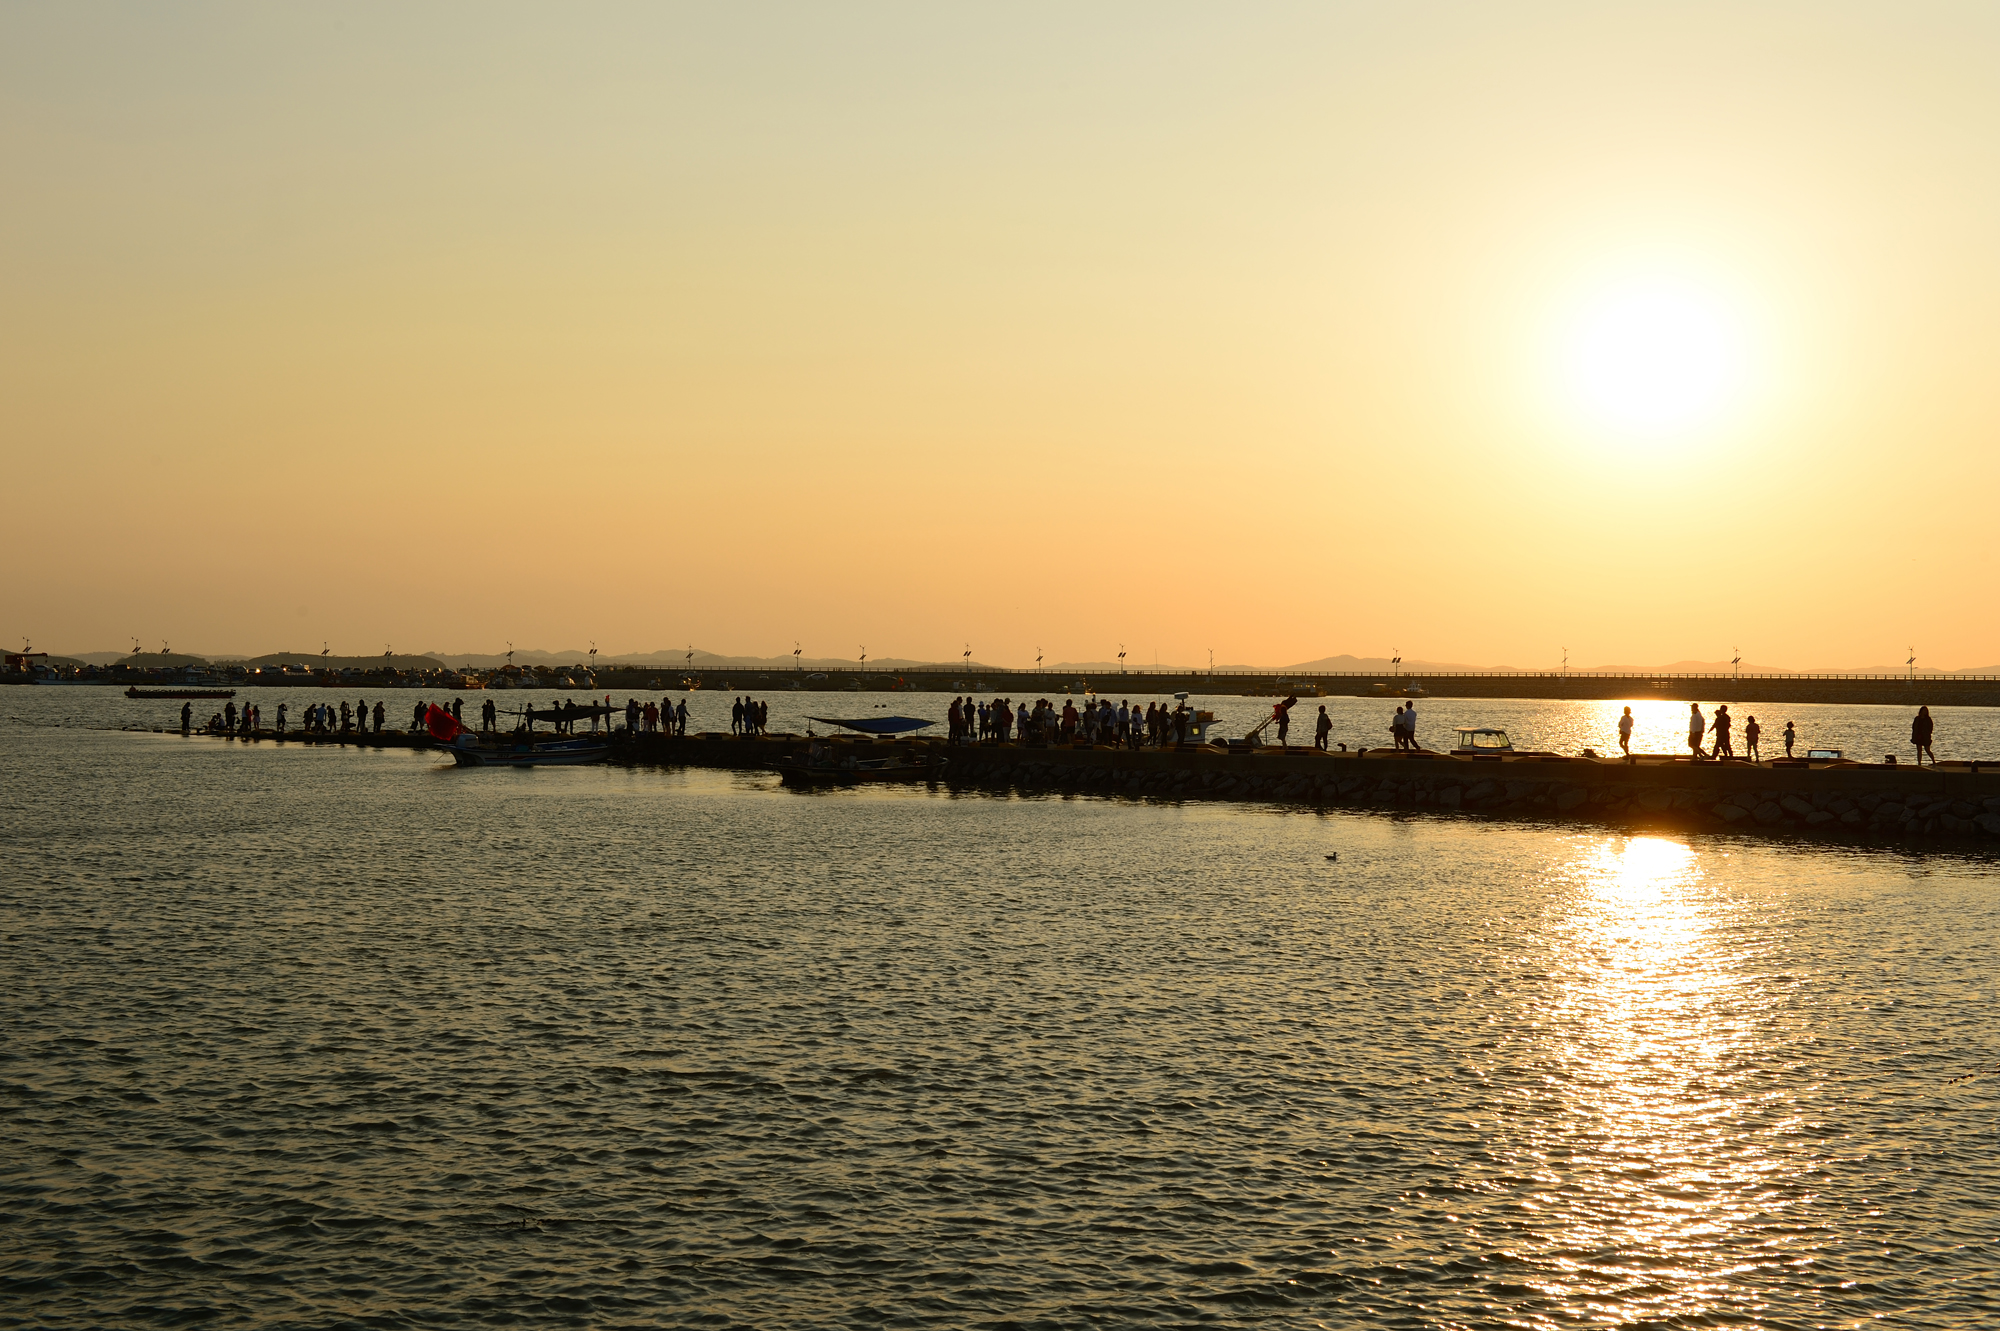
(1920,736)
(379,713)
(1321,729)
(681,717)
(1751,732)
(1723,748)
(281,718)
(1396,729)
(1790,735)
(736,717)
(1625,734)
(1410,726)
(346,718)
(1696,726)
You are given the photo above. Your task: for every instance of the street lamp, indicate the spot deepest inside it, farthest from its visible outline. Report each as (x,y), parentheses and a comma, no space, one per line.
(1736,664)
(1121,658)
(796,649)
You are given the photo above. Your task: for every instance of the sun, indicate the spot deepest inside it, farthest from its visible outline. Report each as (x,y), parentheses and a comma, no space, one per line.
(1655,357)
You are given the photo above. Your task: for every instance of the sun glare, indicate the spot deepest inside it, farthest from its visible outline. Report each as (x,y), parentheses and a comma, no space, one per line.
(1655,359)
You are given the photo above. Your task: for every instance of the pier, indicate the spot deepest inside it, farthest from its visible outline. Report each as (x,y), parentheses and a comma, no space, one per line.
(1756,690)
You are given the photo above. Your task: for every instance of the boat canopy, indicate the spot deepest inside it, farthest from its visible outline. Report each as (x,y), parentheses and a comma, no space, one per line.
(875,725)
(1482,737)
(570,712)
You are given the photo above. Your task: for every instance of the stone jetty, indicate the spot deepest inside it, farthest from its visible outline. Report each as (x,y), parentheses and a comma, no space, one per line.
(1956,802)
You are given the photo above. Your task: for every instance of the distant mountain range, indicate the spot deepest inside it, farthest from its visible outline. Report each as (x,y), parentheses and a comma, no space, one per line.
(704,660)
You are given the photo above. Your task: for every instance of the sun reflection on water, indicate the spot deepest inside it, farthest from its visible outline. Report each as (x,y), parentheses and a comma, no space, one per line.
(1660,1163)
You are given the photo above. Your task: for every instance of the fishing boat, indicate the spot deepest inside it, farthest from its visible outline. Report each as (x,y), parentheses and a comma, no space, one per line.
(472,750)
(523,747)
(822,766)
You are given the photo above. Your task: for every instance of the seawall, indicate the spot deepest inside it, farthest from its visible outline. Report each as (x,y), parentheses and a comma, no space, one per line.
(1955,802)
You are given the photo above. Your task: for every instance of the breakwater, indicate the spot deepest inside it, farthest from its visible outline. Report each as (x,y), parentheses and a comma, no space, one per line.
(1958,801)
(1955,801)
(1753,690)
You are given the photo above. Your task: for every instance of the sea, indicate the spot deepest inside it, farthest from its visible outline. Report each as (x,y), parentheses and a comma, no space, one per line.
(343,1037)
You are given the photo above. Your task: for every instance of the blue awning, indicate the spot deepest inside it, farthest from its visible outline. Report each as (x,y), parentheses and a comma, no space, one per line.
(876,725)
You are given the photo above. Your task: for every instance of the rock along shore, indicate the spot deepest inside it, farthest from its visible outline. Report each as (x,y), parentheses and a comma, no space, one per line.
(1957,801)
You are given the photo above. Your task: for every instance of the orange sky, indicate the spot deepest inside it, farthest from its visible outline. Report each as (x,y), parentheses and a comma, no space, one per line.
(1477,331)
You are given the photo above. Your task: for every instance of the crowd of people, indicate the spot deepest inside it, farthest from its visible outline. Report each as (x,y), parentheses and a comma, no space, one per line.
(1096,721)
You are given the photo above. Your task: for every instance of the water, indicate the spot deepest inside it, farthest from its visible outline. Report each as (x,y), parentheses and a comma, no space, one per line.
(1563,727)
(325,1037)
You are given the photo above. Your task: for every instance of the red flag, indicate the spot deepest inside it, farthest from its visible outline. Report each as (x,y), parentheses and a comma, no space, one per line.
(444,727)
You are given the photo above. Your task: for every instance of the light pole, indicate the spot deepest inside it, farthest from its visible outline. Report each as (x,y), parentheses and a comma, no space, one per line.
(1736,665)
(1038,660)
(967,655)
(1396,665)
(1121,658)
(796,649)
(864,654)
(1565,663)
(1911,663)
(593,663)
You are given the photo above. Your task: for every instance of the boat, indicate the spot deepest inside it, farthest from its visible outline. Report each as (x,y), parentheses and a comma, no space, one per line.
(1477,741)
(821,767)
(136,692)
(473,750)
(523,747)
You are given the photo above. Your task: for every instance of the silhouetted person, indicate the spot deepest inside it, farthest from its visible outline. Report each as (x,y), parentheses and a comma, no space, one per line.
(281,718)
(1696,726)
(1751,730)
(187,717)
(1790,735)
(1322,728)
(379,714)
(1283,711)
(229,716)
(1920,736)
(1723,748)
(1625,733)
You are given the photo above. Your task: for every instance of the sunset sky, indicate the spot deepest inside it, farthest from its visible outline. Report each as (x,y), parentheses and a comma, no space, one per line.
(1478,331)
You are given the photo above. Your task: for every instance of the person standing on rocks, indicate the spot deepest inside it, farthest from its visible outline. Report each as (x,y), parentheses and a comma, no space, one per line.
(1751,730)
(1696,725)
(1625,733)
(1321,729)
(1920,736)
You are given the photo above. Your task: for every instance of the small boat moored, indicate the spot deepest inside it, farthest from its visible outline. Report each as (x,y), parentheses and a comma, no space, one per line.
(1480,740)
(823,766)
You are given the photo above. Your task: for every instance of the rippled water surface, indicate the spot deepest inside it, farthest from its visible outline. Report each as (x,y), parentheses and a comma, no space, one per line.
(332,1037)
